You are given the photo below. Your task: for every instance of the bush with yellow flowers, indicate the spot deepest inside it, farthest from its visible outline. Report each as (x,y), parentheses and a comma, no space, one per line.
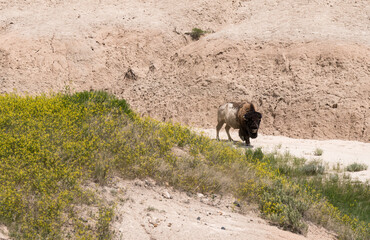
(47,148)
(51,145)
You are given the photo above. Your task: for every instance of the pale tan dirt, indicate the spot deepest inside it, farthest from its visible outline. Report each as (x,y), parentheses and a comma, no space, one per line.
(146,210)
(336,154)
(4,233)
(304,63)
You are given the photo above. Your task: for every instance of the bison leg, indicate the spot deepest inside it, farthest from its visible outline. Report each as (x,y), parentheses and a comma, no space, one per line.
(227,128)
(247,142)
(243,134)
(218,128)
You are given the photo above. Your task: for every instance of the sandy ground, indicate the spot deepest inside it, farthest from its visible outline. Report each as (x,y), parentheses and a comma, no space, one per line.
(145,210)
(304,63)
(148,211)
(335,152)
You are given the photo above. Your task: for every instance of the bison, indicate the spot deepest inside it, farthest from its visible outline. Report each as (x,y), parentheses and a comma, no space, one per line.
(242,116)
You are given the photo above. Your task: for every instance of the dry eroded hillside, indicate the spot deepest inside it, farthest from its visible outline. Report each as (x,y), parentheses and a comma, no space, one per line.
(305,63)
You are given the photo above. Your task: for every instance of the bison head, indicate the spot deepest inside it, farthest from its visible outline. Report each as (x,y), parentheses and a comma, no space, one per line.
(252,123)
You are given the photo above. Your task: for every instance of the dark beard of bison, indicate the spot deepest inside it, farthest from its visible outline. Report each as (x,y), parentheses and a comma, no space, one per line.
(249,128)
(245,133)
(253,135)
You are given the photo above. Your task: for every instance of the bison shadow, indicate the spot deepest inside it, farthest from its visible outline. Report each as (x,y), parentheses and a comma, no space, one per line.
(238,144)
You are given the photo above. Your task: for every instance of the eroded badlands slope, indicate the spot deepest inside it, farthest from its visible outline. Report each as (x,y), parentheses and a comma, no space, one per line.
(306,64)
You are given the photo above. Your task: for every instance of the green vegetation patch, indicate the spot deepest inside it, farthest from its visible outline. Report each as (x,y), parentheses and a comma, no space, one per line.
(196,33)
(352,198)
(356,167)
(48,146)
(349,201)
(51,145)
(318,152)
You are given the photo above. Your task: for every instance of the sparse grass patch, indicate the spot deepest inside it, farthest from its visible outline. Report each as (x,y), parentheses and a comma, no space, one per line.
(312,168)
(196,33)
(352,198)
(103,226)
(318,152)
(337,167)
(343,195)
(356,167)
(287,164)
(151,209)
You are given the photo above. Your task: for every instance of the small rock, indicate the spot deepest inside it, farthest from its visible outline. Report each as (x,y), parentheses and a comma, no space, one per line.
(236,203)
(205,200)
(154,221)
(151,67)
(200,195)
(169,224)
(150,183)
(166,195)
(198,218)
(4,232)
(223,228)
(130,74)
(335,105)
(137,183)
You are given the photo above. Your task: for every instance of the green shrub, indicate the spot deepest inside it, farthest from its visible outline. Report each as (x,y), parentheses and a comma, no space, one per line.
(105,217)
(352,198)
(356,167)
(312,168)
(254,154)
(196,33)
(318,152)
(282,206)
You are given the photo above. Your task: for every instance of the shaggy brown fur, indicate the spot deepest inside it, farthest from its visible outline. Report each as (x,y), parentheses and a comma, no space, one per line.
(235,117)
(243,109)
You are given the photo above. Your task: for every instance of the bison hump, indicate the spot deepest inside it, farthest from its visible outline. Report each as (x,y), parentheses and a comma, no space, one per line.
(246,107)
